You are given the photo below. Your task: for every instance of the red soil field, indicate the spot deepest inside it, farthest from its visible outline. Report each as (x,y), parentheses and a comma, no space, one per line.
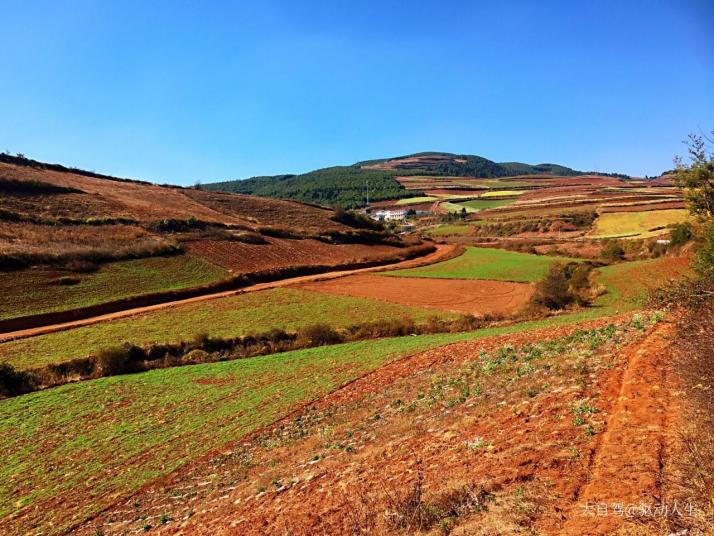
(645,207)
(240,257)
(457,295)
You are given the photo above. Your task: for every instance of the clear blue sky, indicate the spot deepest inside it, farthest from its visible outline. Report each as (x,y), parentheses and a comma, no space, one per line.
(178,91)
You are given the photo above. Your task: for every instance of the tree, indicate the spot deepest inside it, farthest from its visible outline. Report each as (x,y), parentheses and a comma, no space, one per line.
(554,291)
(697,177)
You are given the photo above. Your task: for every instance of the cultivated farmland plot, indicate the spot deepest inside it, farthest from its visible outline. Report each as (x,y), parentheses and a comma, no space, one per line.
(482,379)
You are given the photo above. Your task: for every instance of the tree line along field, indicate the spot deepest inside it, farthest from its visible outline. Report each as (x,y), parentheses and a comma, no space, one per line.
(252,312)
(488,263)
(41,290)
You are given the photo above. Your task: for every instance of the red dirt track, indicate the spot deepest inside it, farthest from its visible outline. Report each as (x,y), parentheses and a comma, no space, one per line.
(443,252)
(459,295)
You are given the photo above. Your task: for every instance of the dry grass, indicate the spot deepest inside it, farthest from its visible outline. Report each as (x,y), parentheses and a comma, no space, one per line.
(49,243)
(689,478)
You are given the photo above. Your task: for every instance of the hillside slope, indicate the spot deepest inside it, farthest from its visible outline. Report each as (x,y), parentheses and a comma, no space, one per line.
(349,186)
(72,239)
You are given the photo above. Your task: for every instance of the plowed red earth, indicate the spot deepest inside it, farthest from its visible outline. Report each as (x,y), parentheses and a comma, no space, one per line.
(533,440)
(459,295)
(240,257)
(626,474)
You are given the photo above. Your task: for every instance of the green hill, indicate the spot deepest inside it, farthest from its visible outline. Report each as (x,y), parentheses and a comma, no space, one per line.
(347,186)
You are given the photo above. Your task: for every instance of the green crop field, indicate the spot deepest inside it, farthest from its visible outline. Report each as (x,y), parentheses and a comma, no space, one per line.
(455,207)
(621,224)
(483,204)
(449,229)
(251,312)
(475,205)
(33,291)
(488,263)
(95,441)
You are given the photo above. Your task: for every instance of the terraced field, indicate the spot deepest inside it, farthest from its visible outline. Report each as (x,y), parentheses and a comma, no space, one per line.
(488,263)
(253,312)
(39,290)
(636,224)
(105,438)
(446,229)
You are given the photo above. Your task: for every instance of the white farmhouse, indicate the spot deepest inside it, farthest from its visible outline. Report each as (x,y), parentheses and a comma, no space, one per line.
(389,215)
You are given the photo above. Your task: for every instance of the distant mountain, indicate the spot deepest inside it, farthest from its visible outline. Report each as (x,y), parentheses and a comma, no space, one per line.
(347,186)
(463,165)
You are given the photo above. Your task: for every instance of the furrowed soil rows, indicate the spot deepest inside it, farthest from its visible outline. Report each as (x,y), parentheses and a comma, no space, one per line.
(281,253)
(459,295)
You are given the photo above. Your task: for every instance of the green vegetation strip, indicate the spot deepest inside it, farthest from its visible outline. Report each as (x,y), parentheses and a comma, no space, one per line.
(483,204)
(37,291)
(456,207)
(488,263)
(253,312)
(449,229)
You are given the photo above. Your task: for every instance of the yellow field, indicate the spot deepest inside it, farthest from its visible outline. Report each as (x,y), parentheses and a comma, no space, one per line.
(639,224)
(503,193)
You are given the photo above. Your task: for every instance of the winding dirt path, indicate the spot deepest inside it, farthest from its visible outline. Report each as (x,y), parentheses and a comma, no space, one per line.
(625,477)
(443,252)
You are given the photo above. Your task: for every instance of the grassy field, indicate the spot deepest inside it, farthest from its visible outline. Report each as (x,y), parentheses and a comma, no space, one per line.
(416,200)
(620,224)
(483,204)
(94,441)
(33,291)
(455,207)
(449,229)
(252,312)
(488,263)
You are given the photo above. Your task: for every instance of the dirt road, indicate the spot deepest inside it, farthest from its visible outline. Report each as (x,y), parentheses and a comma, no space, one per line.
(443,252)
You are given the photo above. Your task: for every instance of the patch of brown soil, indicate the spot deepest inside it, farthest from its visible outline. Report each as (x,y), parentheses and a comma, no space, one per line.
(240,257)
(476,297)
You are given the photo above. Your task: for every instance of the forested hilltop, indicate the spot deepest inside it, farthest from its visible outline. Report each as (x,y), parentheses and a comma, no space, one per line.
(347,186)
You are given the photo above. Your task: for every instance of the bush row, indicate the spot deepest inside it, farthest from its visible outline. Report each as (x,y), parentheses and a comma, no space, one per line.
(130,358)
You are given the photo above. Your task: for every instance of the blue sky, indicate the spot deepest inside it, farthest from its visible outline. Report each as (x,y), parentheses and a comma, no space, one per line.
(184,91)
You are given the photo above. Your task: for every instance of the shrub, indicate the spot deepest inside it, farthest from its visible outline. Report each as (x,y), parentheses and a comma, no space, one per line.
(579,283)
(554,292)
(117,360)
(613,251)
(318,335)
(681,233)
(14,382)
(704,262)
